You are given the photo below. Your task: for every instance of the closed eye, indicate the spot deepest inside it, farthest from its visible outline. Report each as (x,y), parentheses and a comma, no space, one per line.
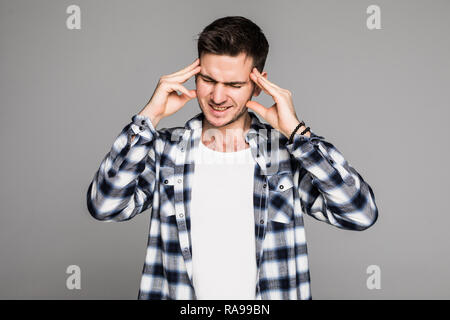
(231,85)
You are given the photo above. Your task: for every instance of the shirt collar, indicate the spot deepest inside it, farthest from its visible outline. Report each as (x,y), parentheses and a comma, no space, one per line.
(257,128)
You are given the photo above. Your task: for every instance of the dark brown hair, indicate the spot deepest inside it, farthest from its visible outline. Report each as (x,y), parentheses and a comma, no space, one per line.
(232,36)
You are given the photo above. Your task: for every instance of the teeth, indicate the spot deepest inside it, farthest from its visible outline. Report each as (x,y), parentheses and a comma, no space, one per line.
(219,109)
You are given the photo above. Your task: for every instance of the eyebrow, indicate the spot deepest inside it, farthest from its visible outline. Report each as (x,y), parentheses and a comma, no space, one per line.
(228,83)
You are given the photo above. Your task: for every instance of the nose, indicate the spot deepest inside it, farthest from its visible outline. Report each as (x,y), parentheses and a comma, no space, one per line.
(218,95)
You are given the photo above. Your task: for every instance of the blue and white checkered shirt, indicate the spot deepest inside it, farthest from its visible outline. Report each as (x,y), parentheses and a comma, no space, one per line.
(155,171)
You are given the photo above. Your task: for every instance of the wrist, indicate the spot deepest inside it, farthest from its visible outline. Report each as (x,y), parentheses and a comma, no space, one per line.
(149,114)
(301,129)
(291,127)
(297,130)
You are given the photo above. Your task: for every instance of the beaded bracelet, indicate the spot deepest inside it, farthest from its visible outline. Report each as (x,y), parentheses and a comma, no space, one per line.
(295,130)
(305,131)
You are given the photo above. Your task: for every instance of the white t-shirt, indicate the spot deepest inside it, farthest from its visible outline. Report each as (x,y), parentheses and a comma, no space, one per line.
(222,225)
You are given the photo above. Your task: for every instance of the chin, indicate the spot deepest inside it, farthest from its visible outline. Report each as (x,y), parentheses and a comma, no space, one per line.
(216,121)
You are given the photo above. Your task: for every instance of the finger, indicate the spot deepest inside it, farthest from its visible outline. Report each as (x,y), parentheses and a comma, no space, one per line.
(259,76)
(185,98)
(186,76)
(255,80)
(258,108)
(266,87)
(273,85)
(172,86)
(187,69)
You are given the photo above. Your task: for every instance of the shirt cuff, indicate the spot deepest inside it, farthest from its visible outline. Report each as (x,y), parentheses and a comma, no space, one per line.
(323,162)
(143,128)
(302,145)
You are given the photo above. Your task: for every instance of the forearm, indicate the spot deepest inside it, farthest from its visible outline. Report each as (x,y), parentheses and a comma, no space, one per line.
(333,191)
(114,193)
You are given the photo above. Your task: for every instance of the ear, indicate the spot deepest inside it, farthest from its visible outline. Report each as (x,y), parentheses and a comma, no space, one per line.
(257,89)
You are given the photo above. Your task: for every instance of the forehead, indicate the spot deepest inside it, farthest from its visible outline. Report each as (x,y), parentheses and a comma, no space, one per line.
(226,68)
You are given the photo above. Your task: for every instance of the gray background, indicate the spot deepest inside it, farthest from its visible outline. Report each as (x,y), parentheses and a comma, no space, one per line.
(381,97)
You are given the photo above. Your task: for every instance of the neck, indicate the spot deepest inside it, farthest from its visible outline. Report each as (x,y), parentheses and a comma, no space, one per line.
(228,138)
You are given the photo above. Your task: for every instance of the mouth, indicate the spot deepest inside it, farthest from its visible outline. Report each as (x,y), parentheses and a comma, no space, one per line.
(218,109)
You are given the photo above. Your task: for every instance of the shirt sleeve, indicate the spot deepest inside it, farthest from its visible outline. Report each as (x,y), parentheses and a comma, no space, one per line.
(123,185)
(330,189)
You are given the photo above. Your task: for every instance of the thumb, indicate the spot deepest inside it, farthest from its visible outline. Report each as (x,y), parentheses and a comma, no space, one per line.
(258,108)
(185,98)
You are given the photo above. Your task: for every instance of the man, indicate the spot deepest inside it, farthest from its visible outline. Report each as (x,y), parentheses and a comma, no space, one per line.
(217,233)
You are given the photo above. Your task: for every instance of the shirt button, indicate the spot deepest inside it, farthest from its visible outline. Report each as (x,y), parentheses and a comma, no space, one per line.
(181,215)
(141,128)
(111,173)
(261,221)
(351,181)
(166,181)
(264,185)
(281,187)
(179,180)
(331,161)
(143,122)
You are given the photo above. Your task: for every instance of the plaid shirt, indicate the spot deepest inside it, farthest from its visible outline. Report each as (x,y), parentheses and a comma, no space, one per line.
(155,171)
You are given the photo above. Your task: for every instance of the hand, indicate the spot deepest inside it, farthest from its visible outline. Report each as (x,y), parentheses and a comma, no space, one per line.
(281,115)
(165,99)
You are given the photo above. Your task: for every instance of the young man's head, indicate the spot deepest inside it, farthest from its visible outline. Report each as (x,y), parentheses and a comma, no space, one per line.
(228,49)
